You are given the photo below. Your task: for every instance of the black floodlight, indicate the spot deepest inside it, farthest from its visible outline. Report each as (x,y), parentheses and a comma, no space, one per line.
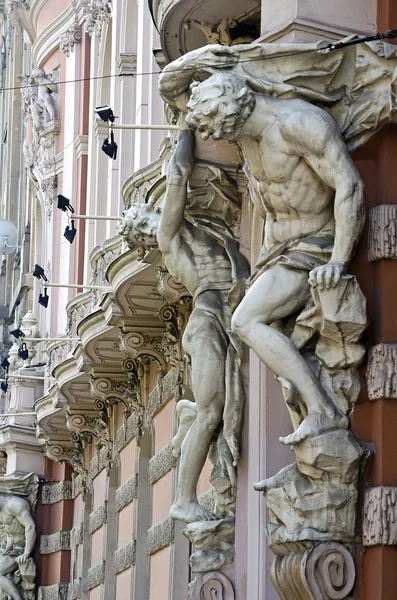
(39,273)
(105,113)
(17,333)
(43,298)
(64,203)
(23,352)
(4,386)
(70,232)
(110,147)
(5,363)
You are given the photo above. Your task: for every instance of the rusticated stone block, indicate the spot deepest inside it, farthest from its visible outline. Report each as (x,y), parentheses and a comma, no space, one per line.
(161,463)
(98,517)
(160,535)
(124,557)
(380,517)
(127,492)
(382,371)
(382,237)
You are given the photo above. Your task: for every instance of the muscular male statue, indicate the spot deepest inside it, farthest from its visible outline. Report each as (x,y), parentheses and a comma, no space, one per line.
(204,267)
(20,529)
(310,194)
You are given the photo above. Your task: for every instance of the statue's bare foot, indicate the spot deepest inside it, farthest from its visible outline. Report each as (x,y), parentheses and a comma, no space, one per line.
(315,424)
(190,512)
(286,475)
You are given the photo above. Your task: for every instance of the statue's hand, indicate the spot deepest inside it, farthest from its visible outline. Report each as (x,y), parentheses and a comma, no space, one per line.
(22,559)
(327,276)
(213,56)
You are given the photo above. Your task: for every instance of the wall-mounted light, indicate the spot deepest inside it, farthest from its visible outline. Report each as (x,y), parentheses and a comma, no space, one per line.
(23,352)
(4,386)
(109,147)
(5,363)
(70,232)
(64,204)
(44,298)
(17,333)
(38,272)
(105,113)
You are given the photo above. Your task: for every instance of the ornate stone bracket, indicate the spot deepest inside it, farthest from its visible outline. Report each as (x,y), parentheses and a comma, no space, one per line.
(69,38)
(213,585)
(321,572)
(98,13)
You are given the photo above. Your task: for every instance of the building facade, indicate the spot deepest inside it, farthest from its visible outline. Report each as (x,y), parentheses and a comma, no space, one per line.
(98,383)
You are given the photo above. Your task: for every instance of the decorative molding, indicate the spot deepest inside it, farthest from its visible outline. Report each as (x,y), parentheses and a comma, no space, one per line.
(320,572)
(55,492)
(162,394)
(98,463)
(55,542)
(382,234)
(213,585)
(124,557)
(162,462)
(126,63)
(160,536)
(77,486)
(96,575)
(98,517)
(57,591)
(49,193)
(127,432)
(69,38)
(75,589)
(382,371)
(81,145)
(76,535)
(126,493)
(380,517)
(99,13)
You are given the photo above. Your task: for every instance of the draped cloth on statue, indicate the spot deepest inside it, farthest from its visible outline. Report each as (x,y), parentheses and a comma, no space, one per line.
(357,85)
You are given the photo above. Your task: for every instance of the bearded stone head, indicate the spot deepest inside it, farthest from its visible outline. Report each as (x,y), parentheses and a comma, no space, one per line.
(219,106)
(139,226)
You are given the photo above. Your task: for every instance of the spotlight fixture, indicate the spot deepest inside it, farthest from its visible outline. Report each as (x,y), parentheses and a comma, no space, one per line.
(64,204)
(5,363)
(4,386)
(39,273)
(105,113)
(110,147)
(43,298)
(70,232)
(23,352)
(17,333)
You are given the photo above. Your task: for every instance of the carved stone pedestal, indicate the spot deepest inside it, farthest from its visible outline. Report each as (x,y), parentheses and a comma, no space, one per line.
(212,561)
(306,571)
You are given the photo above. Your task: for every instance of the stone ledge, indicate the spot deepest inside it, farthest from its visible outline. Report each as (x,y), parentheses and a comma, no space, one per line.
(161,463)
(382,235)
(55,542)
(124,557)
(160,536)
(55,492)
(127,492)
(380,517)
(382,372)
(98,517)
(57,591)
(95,575)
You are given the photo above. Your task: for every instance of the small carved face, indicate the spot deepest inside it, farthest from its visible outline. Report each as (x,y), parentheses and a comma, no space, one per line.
(139,226)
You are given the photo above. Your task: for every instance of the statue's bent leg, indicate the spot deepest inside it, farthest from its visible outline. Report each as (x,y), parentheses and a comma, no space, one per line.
(8,565)
(278,293)
(207,347)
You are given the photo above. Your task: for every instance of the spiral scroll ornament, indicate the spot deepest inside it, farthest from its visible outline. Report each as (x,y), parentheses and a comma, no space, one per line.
(213,585)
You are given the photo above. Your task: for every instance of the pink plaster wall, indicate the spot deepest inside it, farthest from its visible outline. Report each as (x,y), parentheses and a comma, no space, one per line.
(127,462)
(204,481)
(163,426)
(126,525)
(49,12)
(96,594)
(123,585)
(97,546)
(160,575)
(99,489)
(161,498)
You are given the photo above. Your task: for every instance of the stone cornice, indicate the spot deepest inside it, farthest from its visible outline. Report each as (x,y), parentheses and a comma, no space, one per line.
(380,517)
(55,542)
(124,557)
(160,536)
(162,462)
(382,372)
(98,518)
(127,492)
(55,492)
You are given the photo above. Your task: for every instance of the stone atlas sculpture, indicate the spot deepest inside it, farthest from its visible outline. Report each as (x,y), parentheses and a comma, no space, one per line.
(295,112)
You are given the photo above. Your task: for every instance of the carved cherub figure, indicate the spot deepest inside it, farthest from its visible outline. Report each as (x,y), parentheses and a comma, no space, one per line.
(45,91)
(310,194)
(208,271)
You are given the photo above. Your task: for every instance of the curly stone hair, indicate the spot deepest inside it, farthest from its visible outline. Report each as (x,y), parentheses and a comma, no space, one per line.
(219,105)
(133,225)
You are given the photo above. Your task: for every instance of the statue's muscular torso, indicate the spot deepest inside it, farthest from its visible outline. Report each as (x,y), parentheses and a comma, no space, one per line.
(296,201)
